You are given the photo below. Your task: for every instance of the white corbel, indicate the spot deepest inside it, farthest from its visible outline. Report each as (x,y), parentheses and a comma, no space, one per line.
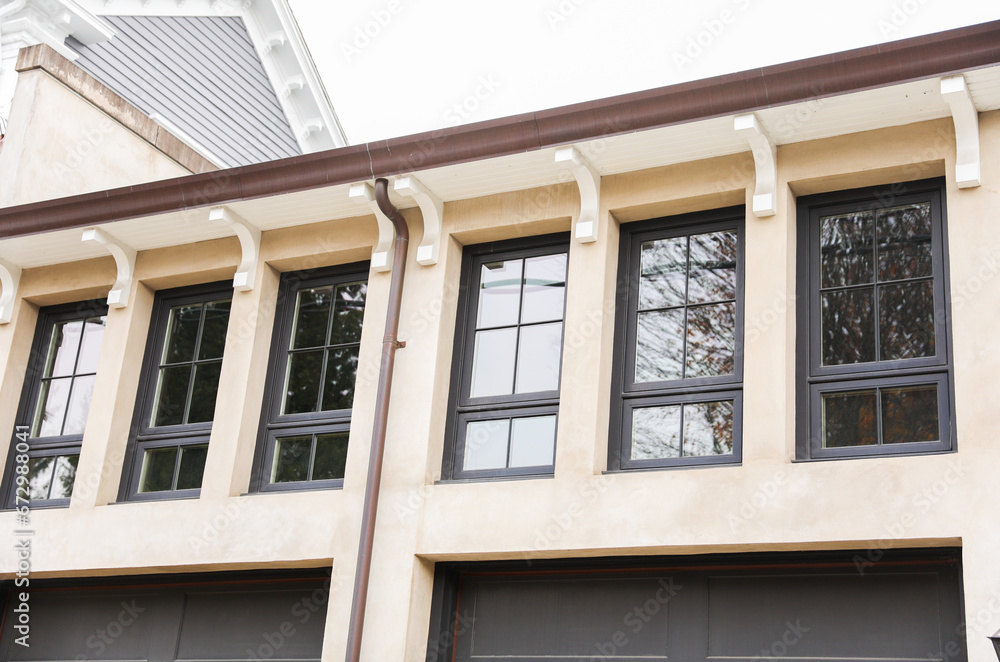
(10,280)
(955,92)
(765,159)
(124,259)
(382,253)
(432,209)
(292,85)
(249,236)
(588,180)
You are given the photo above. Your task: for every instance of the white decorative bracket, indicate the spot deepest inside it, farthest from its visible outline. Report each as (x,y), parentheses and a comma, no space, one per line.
(432,209)
(10,279)
(382,253)
(249,236)
(588,180)
(956,93)
(765,159)
(125,260)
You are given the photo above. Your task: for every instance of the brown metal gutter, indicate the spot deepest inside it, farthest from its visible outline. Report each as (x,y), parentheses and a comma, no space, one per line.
(938,54)
(389,345)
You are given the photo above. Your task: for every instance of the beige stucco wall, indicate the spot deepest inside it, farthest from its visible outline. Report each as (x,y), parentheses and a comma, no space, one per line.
(767,503)
(44,156)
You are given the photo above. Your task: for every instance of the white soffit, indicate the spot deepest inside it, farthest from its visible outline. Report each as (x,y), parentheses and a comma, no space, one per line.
(863,111)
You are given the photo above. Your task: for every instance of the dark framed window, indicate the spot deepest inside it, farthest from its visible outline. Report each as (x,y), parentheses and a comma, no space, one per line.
(678,372)
(306,415)
(873,352)
(178,389)
(508,356)
(55,402)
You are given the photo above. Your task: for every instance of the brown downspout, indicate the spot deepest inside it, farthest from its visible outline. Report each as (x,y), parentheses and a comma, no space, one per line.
(389,345)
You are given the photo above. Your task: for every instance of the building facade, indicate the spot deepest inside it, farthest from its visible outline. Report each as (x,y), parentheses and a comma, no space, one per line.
(705,371)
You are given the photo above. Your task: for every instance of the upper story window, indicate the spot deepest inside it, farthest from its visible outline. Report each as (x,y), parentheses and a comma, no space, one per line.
(180,382)
(306,416)
(508,351)
(873,354)
(55,401)
(679,360)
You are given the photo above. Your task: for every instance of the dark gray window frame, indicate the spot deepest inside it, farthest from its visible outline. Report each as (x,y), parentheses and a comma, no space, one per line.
(272,422)
(812,378)
(462,408)
(48,317)
(142,436)
(626,394)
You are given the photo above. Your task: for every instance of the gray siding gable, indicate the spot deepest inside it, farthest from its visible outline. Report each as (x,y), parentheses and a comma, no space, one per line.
(201,74)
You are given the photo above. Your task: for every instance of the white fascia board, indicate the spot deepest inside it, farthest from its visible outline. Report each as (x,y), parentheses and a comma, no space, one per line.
(165,7)
(287,61)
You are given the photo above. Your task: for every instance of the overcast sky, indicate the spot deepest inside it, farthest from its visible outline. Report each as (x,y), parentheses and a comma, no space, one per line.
(395,67)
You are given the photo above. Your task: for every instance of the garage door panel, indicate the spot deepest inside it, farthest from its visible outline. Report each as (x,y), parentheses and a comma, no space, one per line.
(808,616)
(114,627)
(618,619)
(278,620)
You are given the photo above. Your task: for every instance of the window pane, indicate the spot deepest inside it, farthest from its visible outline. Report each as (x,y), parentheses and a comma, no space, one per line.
(910,414)
(312,315)
(663,278)
(533,441)
(849,419)
(182,333)
(158,470)
(656,432)
(302,382)
(213,334)
(52,401)
(848,327)
(40,476)
(538,358)
(341,372)
(486,444)
(93,334)
(171,395)
(544,288)
(192,467)
(846,249)
(713,267)
(331,456)
(65,474)
(499,293)
(493,362)
(349,311)
(204,392)
(711,340)
(291,459)
(79,405)
(62,352)
(904,242)
(906,320)
(659,352)
(708,428)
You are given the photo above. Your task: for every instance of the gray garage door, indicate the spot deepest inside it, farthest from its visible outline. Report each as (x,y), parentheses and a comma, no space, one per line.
(906,611)
(233,619)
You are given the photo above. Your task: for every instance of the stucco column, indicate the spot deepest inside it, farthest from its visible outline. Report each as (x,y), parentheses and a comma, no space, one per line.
(588,352)
(241,388)
(113,403)
(769,330)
